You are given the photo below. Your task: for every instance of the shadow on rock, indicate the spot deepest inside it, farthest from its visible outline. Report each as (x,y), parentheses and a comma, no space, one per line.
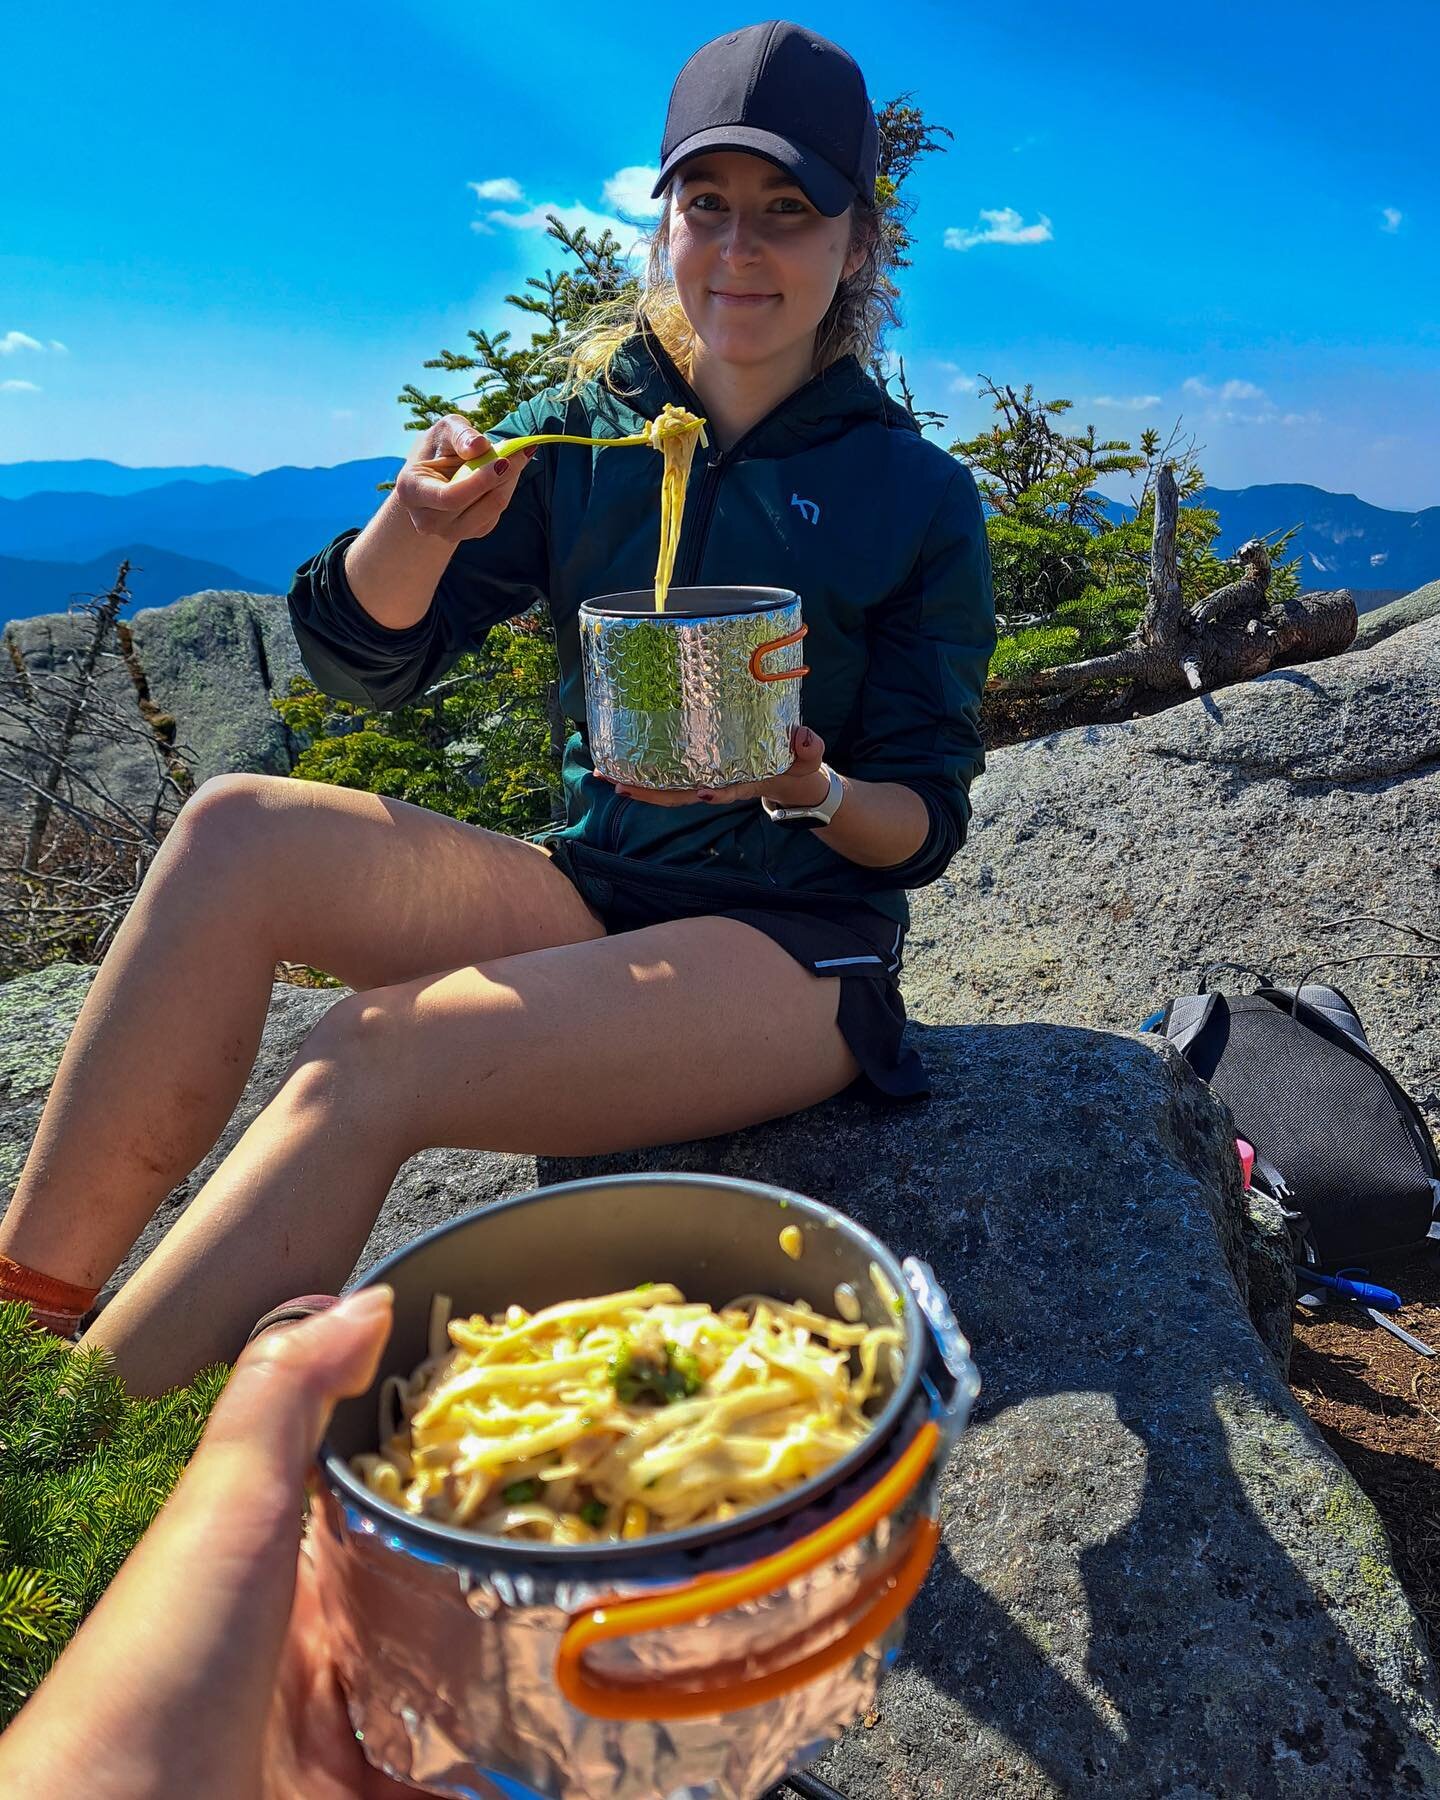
(1156,1578)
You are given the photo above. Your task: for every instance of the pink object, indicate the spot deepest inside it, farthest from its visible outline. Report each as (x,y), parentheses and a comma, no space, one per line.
(1247,1160)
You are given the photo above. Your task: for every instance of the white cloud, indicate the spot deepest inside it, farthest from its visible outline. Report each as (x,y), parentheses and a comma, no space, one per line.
(1003,226)
(55,344)
(1226,393)
(503,187)
(624,183)
(960,382)
(18,340)
(18,387)
(1242,403)
(1391,217)
(537,218)
(628,191)
(1127,402)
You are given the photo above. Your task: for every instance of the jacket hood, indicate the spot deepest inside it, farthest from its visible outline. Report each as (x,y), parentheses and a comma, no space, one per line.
(645,377)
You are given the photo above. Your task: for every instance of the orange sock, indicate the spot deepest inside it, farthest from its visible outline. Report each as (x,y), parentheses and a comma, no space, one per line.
(57,1306)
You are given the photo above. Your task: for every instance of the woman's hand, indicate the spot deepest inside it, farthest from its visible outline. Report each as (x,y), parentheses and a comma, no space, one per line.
(802,784)
(469,506)
(206,1668)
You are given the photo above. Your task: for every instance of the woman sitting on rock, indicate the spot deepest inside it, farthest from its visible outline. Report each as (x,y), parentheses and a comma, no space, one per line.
(664,966)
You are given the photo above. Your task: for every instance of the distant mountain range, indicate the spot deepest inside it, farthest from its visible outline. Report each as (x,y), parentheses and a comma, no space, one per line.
(1343,542)
(90,476)
(30,588)
(66,526)
(219,528)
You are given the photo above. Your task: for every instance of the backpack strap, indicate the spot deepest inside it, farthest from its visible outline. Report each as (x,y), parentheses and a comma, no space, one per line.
(1186,1017)
(1337,1008)
(1243,968)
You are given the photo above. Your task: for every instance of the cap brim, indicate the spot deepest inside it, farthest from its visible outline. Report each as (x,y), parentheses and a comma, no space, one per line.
(824,186)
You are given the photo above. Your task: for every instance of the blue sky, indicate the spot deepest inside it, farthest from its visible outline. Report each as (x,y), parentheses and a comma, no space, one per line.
(232,236)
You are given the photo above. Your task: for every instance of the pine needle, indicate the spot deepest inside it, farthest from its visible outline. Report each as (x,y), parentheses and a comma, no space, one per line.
(83,1471)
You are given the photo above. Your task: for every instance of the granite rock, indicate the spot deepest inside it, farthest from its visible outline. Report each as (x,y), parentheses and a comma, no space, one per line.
(1155,1579)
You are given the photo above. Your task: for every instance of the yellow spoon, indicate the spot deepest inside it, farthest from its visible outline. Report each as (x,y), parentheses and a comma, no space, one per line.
(664,426)
(510,445)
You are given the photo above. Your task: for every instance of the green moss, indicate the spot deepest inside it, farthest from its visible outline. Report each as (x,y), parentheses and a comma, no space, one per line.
(37,1014)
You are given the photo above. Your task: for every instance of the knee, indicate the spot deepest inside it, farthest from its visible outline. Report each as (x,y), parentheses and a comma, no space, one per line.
(359,1070)
(228,817)
(354,1054)
(226,805)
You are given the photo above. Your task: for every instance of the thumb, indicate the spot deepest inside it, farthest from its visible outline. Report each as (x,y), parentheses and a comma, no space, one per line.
(808,746)
(279,1399)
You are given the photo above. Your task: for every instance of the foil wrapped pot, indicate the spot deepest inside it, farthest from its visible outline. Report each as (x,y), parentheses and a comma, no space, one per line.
(701,1664)
(704,694)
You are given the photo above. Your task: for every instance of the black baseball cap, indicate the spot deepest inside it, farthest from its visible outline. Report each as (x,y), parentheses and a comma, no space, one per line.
(784,93)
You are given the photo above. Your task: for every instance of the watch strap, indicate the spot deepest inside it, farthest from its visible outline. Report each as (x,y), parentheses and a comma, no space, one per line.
(811,815)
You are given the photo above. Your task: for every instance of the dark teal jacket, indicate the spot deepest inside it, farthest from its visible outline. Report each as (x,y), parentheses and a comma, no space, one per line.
(834,494)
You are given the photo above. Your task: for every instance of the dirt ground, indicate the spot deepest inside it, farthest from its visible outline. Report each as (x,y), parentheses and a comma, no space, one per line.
(1377,1404)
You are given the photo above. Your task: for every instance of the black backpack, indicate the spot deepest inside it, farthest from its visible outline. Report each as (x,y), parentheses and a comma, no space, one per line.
(1338,1141)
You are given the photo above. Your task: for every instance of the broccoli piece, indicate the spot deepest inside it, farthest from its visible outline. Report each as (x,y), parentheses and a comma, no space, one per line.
(594,1513)
(639,1375)
(520,1493)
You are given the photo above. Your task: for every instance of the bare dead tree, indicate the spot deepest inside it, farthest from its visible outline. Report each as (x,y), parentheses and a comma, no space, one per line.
(1232,635)
(73,849)
(104,616)
(923,416)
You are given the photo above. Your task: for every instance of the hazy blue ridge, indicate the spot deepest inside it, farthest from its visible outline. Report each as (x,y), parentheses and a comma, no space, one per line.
(265,524)
(1343,542)
(157,578)
(93,475)
(268,524)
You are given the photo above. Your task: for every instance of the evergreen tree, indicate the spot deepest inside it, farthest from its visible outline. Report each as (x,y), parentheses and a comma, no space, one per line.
(1069,568)
(83,1471)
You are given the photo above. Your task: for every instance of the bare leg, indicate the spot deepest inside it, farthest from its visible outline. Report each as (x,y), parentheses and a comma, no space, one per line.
(683,1030)
(255,868)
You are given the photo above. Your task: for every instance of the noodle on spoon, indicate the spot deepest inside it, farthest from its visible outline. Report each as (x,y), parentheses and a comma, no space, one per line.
(674,433)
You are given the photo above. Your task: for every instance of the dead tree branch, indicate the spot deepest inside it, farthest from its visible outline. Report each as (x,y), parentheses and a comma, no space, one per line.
(1230,636)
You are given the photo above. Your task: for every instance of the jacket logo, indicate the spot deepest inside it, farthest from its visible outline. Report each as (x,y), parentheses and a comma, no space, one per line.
(808,508)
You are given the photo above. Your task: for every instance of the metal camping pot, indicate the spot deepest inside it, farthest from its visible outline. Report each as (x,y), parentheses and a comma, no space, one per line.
(704,694)
(704,1663)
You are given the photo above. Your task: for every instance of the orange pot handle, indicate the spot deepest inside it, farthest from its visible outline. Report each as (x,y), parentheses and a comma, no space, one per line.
(780,643)
(718,1593)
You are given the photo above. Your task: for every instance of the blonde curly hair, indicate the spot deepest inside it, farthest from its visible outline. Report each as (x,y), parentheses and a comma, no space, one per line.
(854,323)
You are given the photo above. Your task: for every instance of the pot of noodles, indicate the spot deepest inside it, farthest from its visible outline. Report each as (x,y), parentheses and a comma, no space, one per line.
(641,1493)
(703,694)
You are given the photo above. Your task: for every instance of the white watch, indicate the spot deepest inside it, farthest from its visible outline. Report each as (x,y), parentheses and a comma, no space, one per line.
(811,816)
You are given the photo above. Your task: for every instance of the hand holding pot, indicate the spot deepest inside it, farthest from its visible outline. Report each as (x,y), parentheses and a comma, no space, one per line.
(802,784)
(205,1669)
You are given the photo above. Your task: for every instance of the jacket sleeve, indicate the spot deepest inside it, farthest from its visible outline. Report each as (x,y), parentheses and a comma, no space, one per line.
(352,656)
(930,644)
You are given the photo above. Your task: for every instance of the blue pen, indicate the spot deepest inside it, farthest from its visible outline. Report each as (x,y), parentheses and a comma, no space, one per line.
(1363,1291)
(1377,1301)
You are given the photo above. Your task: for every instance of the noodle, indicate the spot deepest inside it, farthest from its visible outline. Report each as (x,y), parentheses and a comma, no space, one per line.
(614,1417)
(674,433)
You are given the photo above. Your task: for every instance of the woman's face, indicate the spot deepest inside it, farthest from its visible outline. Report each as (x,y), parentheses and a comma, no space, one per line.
(755,265)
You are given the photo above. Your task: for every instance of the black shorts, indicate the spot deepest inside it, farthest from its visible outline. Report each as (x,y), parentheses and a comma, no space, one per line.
(830,936)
